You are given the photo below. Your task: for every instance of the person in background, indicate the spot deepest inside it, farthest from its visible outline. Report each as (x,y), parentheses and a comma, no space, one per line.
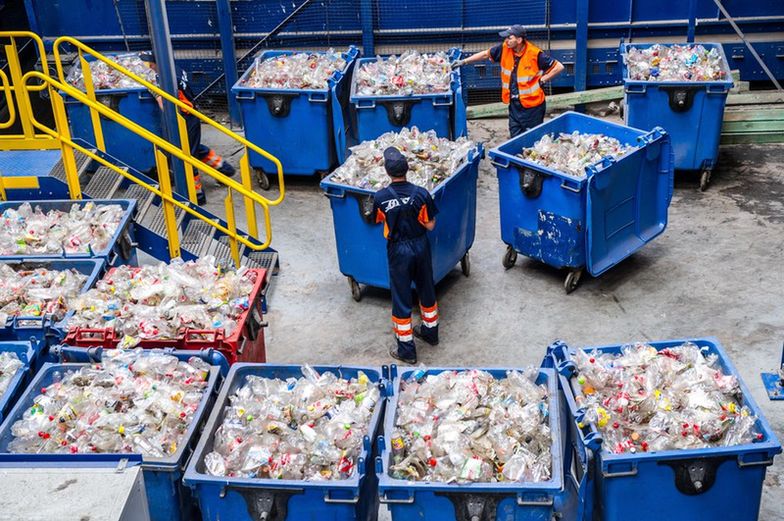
(524,69)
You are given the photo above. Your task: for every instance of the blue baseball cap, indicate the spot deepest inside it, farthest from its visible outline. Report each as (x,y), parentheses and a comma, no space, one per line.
(395,162)
(515,30)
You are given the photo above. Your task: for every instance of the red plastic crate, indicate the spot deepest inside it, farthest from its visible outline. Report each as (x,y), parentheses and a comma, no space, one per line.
(246,344)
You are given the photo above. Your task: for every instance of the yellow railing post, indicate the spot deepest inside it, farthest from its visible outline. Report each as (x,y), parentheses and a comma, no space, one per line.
(89,88)
(169,216)
(15,69)
(235,250)
(186,148)
(8,94)
(250,207)
(69,158)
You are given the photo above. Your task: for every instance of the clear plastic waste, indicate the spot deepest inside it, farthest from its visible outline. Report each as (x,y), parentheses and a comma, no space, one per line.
(295,71)
(9,366)
(466,426)
(571,153)
(136,401)
(105,77)
(431,159)
(157,302)
(644,400)
(86,228)
(404,75)
(37,292)
(675,63)
(308,428)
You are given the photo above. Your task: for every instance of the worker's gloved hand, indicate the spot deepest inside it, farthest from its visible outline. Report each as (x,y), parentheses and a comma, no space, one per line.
(457,63)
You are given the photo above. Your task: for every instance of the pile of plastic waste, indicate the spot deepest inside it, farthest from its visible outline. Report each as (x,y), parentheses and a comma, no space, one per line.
(134,402)
(308,428)
(431,159)
(571,153)
(295,71)
(156,302)
(105,77)
(675,63)
(404,75)
(9,366)
(466,426)
(85,228)
(643,400)
(36,292)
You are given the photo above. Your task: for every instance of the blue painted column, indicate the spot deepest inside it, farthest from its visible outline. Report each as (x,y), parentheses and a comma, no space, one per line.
(692,21)
(158,24)
(581,44)
(226,28)
(366,20)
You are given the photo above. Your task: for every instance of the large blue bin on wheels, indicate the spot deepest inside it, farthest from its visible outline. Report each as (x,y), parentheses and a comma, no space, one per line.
(433,501)
(28,353)
(121,248)
(304,128)
(593,222)
(697,484)
(444,112)
(250,499)
(690,111)
(169,500)
(44,328)
(362,248)
(136,104)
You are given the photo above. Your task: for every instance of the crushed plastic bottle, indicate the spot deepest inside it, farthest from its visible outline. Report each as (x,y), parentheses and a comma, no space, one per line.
(9,366)
(405,75)
(105,77)
(431,159)
(86,228)
(571,153)
(136,401)
(675,63)
(466,426)
(36,292)
(157,302)
(644,400)
(295,71)
(308,428)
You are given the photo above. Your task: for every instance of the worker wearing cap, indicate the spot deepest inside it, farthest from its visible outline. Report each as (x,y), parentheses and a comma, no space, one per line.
(524,68)
(408,213)
(193,124)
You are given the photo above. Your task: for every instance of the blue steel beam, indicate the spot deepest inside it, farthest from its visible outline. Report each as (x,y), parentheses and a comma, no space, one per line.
(366,17)
(226,29)
(581,46)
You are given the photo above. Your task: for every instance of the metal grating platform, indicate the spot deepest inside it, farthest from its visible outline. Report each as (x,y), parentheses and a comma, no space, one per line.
(82,162)
(22,163)
(103,184)
(155,222)
(197,237)
(262,259)
(143,199)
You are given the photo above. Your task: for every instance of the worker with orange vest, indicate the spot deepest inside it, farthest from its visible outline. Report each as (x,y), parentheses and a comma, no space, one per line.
(524,69)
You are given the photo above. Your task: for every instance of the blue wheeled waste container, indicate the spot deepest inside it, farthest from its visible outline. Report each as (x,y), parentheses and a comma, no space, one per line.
(45,328)
(362,248)
(699,484)
(136,104)
(169,500)
(444,112)
(304,128)
(250,499)
(690,111)
(27,352)
(121,248)
(434,501)
(591,222)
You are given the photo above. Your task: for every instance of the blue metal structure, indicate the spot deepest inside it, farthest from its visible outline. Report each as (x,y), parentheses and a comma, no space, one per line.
(591,222)
(249,499)
(673,484)
(27,352)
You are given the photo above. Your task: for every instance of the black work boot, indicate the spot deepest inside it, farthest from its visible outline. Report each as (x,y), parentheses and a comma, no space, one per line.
(424,334)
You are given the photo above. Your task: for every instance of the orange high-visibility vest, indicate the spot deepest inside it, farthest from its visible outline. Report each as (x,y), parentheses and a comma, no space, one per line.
(528,74)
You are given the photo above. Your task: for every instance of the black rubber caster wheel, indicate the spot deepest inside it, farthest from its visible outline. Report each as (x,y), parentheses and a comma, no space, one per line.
(572,280)
(262,178)
(465,265)
(510,257)
(356,291)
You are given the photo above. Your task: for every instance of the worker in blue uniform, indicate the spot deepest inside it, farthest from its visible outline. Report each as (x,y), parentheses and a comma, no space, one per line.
(524,70)
(193,124)
(408,213)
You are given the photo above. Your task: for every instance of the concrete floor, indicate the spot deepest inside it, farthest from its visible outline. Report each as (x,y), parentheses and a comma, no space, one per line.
(716,271)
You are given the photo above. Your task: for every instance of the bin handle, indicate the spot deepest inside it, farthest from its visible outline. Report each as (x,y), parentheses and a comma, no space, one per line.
(446,103)
(622,474)
(763,463)
(388,501)
(36,322)
(566,186)
(496,161)
(523,503)
(329,499)
(114,258)
(633,88)
(365,104)
(318,97)
(341,195)
(245,95)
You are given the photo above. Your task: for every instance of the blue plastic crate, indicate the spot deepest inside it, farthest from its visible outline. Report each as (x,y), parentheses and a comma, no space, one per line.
(44,328)
(645,486)
(28,353)
(434,501)
(120,250)
(304,128)
(443,112)
(362,248)
(244,499)
(592,222)
(136,104)
(691,112)
(168,499)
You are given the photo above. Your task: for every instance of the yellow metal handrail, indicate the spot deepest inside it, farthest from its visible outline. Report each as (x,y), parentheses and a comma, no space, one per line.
(8,92)
(90,91)
(162,147)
